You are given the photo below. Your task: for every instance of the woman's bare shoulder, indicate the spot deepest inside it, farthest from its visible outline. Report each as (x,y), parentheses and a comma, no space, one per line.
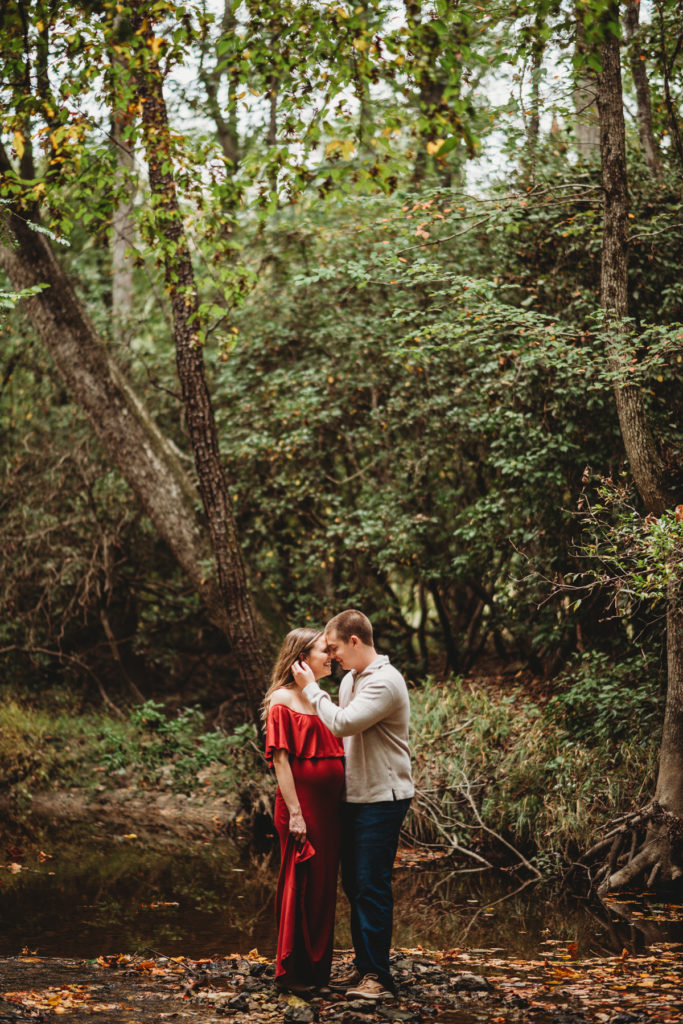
(282,696)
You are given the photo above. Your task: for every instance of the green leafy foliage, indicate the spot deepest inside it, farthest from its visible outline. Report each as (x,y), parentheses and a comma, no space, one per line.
(407,370)
(176,748)
(599,702)
(61,745)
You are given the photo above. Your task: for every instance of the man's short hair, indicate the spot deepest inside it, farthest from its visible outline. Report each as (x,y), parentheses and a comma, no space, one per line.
(351,623)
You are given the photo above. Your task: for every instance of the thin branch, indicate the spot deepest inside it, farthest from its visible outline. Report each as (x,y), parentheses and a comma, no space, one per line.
(76,661)
(496,835)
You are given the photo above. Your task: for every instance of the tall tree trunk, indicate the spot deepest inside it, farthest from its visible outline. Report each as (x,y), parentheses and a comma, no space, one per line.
(537,48)
(123,226)
(532,116)
(642,87)
(226,127)
(658,852)
(584,93)
(666,68)
(200,420)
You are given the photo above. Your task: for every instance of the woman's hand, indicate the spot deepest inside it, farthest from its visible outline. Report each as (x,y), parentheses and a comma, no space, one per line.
(303,674)
(285,780)
(297,826)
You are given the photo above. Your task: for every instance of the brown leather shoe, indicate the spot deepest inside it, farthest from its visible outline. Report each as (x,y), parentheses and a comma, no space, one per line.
(340,982)
(370,988)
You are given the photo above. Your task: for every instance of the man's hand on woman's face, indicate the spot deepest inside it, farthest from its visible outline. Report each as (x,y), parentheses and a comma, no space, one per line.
(303,674)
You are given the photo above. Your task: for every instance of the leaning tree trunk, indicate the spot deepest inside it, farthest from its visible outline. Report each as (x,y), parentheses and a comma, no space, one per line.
(136,446)
(660,853)
(144,456)
(199,415)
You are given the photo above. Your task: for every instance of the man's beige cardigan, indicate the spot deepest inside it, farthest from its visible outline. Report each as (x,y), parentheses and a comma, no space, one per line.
(373,718)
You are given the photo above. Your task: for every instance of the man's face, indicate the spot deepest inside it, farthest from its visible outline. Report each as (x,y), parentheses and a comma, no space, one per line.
(342,651)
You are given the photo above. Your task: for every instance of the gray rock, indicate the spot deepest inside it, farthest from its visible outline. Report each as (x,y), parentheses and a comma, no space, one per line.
(521,1002)
(300,1015)
(238,1003)
(466,982)
(362,1006)
(387,1013)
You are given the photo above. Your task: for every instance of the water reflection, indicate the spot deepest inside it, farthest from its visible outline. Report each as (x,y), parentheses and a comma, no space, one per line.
(110,894)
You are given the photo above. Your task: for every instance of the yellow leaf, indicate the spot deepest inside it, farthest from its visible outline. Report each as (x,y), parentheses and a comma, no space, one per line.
(331,146)
(348,149)
(435,146)
(19,143)
(293,1000)
(155,44)
(360,44)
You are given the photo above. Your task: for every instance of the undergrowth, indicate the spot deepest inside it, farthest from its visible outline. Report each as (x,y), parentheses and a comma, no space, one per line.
(543,778)
(490,765)
(57,747)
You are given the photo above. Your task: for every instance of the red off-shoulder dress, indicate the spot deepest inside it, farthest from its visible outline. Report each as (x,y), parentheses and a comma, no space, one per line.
(307,886)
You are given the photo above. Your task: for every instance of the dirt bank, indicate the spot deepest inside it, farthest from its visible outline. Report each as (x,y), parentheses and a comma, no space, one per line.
(146,812)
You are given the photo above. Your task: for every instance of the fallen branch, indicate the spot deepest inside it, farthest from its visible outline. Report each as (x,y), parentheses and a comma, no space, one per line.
(496,835)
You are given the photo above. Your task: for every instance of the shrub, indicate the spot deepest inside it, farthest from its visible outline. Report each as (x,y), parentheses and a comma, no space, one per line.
(533,775)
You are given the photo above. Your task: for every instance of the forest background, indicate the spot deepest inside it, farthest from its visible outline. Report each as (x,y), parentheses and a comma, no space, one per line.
(317,305)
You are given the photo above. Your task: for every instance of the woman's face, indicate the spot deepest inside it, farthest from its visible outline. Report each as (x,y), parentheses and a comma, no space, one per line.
(318,658)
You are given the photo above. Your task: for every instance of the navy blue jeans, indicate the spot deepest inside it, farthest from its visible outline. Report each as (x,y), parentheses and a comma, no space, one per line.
(369,842)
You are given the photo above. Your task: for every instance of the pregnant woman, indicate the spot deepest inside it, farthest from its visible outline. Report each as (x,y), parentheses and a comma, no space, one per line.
(309,766)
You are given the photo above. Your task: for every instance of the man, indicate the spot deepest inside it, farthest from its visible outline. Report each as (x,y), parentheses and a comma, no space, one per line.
(373,718)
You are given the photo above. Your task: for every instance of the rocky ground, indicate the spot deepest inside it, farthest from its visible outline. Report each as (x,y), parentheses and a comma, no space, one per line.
(457,986)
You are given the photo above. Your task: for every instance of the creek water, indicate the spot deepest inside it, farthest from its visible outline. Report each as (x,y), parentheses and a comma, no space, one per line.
(116,894)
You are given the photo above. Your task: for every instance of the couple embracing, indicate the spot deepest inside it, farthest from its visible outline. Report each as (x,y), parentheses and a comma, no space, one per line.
(344,787)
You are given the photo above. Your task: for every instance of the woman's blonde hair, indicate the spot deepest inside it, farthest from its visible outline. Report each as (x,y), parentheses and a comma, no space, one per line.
(295,645)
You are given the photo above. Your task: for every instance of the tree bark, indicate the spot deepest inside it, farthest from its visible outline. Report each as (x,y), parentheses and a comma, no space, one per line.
(200,420)
(659,851)
(642,87)
(136,446)
(537,50)
(646,463)
(667,68)
(123,226)
(584,94)
(669,791)
(226,129)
